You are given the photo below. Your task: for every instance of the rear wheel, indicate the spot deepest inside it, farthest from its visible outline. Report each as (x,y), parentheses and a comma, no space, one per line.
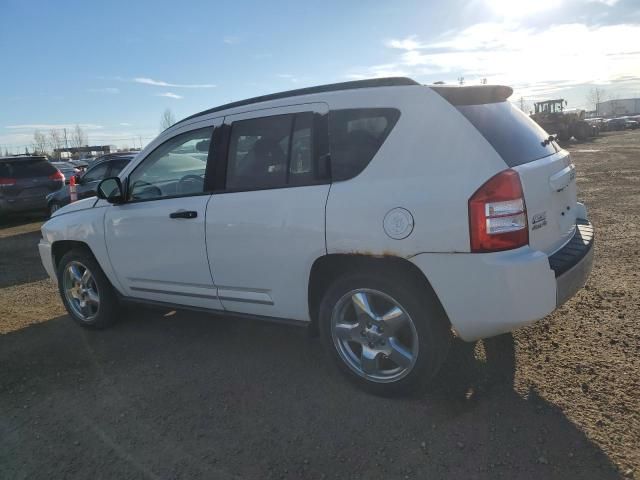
(86,292)
(386,334)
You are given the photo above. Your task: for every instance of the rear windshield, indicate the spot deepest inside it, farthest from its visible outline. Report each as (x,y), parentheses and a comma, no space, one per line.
(26,168)
(515,137)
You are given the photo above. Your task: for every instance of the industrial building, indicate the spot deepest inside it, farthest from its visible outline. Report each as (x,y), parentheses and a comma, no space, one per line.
(618,107)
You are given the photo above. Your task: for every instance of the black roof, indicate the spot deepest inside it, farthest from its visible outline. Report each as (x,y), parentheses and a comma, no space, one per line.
(332,87)
(13,158)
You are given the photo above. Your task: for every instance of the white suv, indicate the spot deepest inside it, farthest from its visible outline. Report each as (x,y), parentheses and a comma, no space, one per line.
(383,212)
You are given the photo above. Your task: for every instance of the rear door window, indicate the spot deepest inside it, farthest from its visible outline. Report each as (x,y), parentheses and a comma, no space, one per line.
(272,152)
(512,134)
(355,136)
(26,168)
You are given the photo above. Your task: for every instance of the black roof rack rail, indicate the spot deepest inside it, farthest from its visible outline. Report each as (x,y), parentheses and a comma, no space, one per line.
(332,87)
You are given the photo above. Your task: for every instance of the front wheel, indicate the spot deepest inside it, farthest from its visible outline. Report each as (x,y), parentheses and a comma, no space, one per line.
(86,292)
(387,334)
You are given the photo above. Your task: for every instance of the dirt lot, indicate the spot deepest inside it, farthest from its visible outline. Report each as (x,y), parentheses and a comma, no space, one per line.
(193,396)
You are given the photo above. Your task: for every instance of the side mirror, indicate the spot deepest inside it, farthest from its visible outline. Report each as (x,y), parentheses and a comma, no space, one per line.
(110,189)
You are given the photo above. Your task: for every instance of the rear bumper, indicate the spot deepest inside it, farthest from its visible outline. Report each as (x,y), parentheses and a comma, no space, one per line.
(8,205)
(492,293)
(572,263)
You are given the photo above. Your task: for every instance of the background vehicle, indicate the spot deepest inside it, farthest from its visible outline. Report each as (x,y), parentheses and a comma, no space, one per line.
(67,169)
(319,207)
(25,181)
(555,119)
(79,164)
(86,182)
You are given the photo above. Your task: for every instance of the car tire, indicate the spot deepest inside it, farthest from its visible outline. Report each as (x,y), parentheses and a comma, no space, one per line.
(346,335)
(90,299)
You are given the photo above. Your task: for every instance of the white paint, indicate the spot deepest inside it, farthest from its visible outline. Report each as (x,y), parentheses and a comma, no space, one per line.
(252,252)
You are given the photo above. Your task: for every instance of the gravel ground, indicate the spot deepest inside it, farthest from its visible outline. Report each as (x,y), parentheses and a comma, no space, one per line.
(184,395)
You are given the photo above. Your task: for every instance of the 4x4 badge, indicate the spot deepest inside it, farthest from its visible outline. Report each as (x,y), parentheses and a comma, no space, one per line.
(539,220)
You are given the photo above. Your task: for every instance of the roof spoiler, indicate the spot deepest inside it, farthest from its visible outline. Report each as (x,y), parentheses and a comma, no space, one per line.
(473,94)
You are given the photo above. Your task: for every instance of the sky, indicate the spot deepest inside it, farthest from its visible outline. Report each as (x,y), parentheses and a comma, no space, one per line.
(114,67)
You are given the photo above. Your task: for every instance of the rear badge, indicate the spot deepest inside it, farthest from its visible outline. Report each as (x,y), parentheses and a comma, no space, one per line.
(539,220)
(398,223)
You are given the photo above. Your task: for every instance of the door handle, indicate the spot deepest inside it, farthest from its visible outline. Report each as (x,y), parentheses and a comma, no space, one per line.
(183,214)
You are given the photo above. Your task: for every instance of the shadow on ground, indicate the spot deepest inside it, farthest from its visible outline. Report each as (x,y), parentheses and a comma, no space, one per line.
(195,396)
(20,259)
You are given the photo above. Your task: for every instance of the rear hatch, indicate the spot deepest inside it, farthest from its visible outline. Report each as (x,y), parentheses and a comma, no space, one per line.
(28,180)
(547,175)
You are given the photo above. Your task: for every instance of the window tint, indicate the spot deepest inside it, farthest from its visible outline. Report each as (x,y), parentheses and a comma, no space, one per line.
(175,168)
(271,152)
(355,136)
(515,137)
(96,173)
(117,166)
(26,168)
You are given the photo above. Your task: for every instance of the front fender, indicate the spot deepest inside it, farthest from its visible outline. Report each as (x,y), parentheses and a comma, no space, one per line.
(85,225)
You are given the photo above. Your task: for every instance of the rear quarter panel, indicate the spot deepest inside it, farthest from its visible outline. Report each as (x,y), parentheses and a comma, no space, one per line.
(430,164)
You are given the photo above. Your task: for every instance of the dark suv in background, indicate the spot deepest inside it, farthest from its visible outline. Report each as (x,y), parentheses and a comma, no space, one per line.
(25,182)
(86,183)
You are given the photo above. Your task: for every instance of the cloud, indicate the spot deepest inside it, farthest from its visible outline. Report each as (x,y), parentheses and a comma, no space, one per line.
(230,40)
(408,43)
(169,95)
(109,90)
(49,126)
(508,52)
(608,3)
(288,76)
(161,83)
(125,124)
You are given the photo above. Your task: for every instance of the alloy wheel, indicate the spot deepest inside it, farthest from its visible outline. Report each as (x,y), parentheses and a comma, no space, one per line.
(374,335)
(81,291)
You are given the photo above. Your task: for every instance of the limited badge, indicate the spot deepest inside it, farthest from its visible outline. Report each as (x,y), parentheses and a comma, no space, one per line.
(398,223)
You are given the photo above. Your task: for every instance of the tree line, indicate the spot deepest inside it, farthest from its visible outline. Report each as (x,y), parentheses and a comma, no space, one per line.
(44,142)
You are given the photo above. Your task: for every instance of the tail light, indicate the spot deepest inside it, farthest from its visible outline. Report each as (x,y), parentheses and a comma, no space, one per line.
(7,182)
(498,215)
(57,176)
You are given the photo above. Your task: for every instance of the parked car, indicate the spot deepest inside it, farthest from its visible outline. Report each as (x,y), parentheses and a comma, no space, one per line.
(631,124)
(616,124)
(79,164)
(25,181)
(87,182)
(383,212)
(67,169)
